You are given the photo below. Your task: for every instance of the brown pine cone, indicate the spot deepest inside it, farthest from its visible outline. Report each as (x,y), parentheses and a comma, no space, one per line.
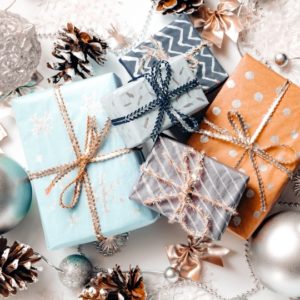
(74,48)
(16,267)
(116,285)
(178,6)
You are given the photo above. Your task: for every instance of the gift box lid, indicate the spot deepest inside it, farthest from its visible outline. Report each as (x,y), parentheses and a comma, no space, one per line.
(47,144)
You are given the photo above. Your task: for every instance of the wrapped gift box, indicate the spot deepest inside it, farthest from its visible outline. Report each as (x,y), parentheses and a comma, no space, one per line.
(46,144)
(139,93)
(254,95)
(186,186)
(176,38)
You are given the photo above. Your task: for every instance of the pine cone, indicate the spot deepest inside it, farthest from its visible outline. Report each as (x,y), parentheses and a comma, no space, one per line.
(116,285)
(73,49)
(178,6)
(16,267)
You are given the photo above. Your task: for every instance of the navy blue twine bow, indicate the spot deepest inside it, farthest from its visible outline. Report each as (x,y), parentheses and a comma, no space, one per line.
(164,97)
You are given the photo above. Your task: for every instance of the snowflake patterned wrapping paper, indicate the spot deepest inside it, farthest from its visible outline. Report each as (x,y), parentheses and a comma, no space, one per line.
(177,38)
(139,93)
(264,123)
(216,189)
(46,144)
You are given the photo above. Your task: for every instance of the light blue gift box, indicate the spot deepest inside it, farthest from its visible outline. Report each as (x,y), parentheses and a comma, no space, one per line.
(46,144)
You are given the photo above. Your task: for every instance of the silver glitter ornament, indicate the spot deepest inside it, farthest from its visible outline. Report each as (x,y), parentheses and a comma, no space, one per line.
(76,271)
(113,244)
(15,194)
(274,254)
(281,60)
(171,274)
(20,52)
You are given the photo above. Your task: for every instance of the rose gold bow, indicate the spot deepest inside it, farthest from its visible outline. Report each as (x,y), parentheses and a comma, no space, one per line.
(187,259)
(214,24)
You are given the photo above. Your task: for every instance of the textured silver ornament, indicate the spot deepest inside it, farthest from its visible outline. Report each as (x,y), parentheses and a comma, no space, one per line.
(171,275)
(76,271)
(274,254)
(112,245)
(20,52)
(15,194)
(281,60)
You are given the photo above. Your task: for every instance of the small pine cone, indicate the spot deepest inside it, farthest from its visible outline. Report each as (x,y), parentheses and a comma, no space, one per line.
(178,6)
(116,285)
(73,50)
(16,267)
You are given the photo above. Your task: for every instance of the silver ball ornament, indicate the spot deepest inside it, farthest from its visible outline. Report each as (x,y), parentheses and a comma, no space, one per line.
(274,254)
(171,274)
(281,59)
(20,51)
(15,194)
(76,271)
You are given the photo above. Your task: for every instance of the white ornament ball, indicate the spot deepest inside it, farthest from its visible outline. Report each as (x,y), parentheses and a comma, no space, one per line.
(20,51)
(275,254)
(171,274)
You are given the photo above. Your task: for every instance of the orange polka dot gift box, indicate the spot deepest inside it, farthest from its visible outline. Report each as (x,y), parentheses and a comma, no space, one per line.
(253,125)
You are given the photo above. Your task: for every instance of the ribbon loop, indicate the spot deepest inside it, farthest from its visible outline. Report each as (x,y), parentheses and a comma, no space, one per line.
(159,78)
(93,141)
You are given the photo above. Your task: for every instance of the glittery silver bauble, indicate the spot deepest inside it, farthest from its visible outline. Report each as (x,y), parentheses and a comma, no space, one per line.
(275,254)
(20,51)
(171,275)
(15,194)
(281,59)
(113,244)
(76,271)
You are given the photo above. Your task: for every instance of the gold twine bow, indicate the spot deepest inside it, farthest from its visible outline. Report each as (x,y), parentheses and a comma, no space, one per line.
(93,141)
(187,259)
(241,138)
(187,194)
(215,24)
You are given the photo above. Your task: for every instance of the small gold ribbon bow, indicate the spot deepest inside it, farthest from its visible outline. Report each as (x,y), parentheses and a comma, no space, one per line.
(187,259)
(243,139)
(215,24)
(93,141)
(186,195)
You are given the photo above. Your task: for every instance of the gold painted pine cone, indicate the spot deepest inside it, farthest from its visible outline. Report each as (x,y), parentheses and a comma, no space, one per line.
(178,6)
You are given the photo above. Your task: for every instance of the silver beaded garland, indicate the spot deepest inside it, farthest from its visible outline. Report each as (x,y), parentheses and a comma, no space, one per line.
(281,59)
(171,274)
(76,271)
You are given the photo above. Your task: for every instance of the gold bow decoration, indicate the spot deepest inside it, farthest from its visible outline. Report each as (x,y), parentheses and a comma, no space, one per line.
(187,259)
(93,141)
(241,137)
(186,195)
(215,24)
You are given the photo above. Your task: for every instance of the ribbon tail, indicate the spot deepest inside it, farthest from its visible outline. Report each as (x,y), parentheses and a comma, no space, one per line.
(232,26)
(214,33)
(188,123)
(158,125)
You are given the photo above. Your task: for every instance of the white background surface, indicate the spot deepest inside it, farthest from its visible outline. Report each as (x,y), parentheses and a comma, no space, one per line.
(146,246)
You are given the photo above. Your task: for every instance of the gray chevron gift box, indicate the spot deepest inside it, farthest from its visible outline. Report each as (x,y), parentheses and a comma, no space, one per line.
(179,37)
(188,187)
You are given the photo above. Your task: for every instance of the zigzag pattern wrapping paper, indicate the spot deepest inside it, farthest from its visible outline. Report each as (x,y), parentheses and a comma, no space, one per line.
(177,38)
(218,182)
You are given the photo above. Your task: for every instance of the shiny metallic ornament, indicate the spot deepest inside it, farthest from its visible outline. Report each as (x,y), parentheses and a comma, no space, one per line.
(113,244)
(274,254)
(281,60)
(20,52)
(15,194)
(171,274)
(76,271)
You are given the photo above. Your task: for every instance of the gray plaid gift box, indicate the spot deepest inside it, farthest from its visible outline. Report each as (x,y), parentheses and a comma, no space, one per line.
(189,188)
(136,99)
(179,37)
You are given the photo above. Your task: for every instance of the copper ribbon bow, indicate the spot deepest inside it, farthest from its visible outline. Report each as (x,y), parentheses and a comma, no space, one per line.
(215,24)
(93,141)
(186,194)
(187,259)
(242,138)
